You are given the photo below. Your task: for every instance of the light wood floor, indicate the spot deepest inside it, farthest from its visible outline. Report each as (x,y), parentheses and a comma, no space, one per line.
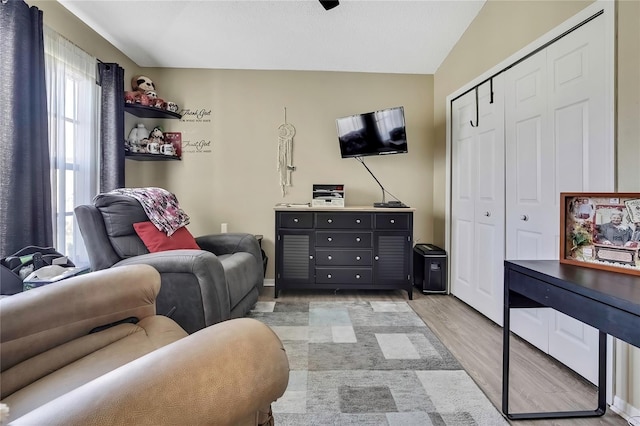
(538,382)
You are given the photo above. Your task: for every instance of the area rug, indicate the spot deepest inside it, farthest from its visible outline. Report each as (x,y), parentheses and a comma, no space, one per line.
(369,363)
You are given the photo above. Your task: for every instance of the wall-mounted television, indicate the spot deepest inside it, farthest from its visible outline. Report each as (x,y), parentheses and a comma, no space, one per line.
(373,133)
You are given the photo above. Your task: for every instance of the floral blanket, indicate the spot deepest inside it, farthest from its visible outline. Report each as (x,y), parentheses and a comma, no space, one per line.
(160,205)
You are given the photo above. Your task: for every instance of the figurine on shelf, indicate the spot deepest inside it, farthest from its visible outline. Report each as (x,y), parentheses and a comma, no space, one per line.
(138,138)
(142,84)
(156,140)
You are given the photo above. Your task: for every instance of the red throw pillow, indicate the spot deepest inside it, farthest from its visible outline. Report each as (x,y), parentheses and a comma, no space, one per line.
(156,240)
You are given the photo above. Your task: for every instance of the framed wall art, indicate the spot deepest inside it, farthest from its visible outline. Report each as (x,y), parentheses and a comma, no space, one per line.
(601,230)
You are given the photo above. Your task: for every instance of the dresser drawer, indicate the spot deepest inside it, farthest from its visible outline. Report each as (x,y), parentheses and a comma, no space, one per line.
(343,239)
(337,257)
(337,220)
(296,220)
(341,276)
(392,220)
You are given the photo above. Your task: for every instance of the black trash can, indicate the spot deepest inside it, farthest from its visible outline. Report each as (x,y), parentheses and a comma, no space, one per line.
(430,268)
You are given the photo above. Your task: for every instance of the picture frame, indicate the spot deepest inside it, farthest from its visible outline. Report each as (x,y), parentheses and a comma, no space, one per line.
(601,230)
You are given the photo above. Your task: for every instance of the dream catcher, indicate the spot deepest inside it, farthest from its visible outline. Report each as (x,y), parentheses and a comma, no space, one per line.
(285,153)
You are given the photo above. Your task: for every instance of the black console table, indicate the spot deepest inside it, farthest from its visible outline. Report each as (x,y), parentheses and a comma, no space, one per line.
(608,301)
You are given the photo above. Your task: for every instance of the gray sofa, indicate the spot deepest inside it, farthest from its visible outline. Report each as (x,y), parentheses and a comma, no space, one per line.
(199,287)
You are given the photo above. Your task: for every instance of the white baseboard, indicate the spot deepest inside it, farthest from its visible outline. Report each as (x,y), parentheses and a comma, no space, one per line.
(269,282)
(626,410)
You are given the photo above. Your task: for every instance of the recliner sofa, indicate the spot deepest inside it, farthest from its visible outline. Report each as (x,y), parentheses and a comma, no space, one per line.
(90,350)
(199,287)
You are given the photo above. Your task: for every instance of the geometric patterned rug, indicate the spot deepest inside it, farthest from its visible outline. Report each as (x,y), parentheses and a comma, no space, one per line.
(369,363)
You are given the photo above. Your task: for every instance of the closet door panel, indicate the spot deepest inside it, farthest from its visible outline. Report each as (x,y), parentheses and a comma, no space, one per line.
(462,270)
(529,183)
(578,109)
(569,128)
(574,344)
(463,198)
(478,200)
(490,213)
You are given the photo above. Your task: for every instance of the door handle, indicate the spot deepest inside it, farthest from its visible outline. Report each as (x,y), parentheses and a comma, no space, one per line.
(524,217)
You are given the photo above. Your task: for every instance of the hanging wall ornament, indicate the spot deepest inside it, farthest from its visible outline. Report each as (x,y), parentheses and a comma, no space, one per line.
(285,153)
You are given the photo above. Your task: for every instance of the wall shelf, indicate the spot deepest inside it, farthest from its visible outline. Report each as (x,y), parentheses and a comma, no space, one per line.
(141,156)
(144,111)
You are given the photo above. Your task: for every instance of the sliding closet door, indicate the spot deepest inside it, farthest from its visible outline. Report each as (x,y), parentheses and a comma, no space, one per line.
(478,200)
(558,139)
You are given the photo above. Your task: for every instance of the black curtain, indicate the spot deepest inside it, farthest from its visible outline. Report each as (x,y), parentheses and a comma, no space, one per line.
(112,127)
(25,178)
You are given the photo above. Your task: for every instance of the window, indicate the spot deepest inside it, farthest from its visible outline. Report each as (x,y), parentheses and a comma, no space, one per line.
(72,103)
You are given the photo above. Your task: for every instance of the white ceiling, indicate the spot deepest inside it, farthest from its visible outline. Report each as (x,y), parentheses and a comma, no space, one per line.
(391,36)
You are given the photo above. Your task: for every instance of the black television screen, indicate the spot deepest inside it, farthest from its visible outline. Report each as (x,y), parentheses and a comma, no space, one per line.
(372,133)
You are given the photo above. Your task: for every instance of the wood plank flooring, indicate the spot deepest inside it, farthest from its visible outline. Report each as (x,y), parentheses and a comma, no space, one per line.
(538,382)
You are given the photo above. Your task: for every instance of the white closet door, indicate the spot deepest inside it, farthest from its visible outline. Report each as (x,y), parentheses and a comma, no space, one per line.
(478,200)
(463,139)
(557,139)
(530,189)
(579,111)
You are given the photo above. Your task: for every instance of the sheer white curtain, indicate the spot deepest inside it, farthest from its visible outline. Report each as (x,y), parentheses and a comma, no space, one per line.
(72,102)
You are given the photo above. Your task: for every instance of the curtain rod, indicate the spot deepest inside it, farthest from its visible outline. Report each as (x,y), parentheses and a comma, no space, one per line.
(527,56)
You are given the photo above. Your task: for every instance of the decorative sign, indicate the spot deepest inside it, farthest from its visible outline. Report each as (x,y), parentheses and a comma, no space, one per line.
(196,147)
(197,115)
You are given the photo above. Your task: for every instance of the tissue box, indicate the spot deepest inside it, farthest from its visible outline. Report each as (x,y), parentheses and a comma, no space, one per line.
(34,281)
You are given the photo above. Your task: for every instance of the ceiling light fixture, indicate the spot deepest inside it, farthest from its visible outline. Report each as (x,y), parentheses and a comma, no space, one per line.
(329,4)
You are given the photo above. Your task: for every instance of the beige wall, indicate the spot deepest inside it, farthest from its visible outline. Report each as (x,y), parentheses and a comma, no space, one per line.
(237,181)
(501,29)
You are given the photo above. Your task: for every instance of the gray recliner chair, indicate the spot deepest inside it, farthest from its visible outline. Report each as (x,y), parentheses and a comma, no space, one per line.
(199,287)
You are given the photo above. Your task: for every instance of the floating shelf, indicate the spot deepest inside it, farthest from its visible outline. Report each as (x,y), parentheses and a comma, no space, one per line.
(144,111)
(141,156)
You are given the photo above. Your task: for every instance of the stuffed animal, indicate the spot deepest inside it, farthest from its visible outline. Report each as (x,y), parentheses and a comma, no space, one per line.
(156,135)
(142,84)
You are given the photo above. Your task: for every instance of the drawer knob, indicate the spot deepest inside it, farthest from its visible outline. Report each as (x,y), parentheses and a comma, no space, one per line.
(357,220)
(296,220)
(329,239)
(487,214)
(392,221)
(357,276)
(329,220)
(524,217)
(329,257)
(357,257)
(358,239)
(329,276)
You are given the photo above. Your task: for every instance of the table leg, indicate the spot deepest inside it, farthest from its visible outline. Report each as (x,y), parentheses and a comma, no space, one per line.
(602,378)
